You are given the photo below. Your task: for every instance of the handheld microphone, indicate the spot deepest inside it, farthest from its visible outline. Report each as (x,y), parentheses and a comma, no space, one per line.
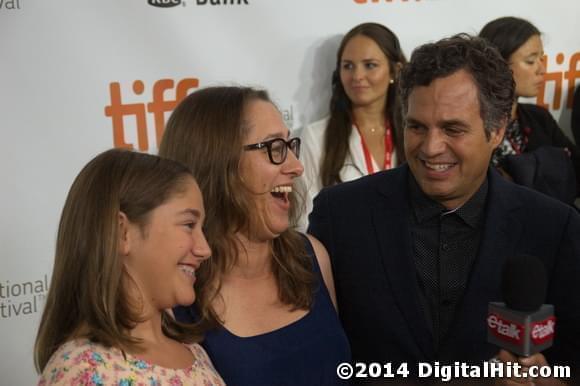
(522,325)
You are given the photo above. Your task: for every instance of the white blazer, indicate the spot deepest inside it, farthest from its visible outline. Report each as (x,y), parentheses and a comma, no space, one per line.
(354,166)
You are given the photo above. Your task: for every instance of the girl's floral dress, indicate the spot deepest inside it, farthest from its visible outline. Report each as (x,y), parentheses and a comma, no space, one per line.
(82,362)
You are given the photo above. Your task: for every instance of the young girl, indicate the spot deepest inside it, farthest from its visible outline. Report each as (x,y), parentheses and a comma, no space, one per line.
(129,244)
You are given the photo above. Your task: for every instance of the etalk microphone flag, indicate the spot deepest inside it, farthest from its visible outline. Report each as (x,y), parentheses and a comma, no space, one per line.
(522,325)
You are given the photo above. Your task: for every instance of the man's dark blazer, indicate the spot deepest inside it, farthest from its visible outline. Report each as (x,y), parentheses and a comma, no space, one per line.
(364,224)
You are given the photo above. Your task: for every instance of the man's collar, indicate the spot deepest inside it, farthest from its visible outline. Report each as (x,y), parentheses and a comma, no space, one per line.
(425,208)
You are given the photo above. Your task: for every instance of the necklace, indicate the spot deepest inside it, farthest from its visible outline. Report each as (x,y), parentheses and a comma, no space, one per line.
(373,130)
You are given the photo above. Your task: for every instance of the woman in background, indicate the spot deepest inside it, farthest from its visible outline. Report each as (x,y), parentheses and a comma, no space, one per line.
(362,135)
(129,244)
(532,129)
(266,299)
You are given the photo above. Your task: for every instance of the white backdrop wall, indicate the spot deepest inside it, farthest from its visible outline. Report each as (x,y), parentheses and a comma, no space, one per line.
(78,77)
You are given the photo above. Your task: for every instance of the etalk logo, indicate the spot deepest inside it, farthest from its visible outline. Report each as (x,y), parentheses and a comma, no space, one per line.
(543,331)
(505,329)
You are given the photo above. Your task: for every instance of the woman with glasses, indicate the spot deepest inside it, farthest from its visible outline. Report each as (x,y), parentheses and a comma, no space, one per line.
(266,298)
(535,152)
(361,135)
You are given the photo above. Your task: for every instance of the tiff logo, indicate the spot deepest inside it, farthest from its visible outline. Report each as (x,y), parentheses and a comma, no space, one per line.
(158,106)
(9,4)
(558,78)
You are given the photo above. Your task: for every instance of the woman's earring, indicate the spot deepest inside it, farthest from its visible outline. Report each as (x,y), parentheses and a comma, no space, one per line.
(391,81)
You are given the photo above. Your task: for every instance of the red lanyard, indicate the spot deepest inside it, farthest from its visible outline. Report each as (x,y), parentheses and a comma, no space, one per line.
(388,150)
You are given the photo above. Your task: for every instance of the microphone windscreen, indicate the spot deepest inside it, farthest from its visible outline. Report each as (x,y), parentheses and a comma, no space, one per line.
(524,283)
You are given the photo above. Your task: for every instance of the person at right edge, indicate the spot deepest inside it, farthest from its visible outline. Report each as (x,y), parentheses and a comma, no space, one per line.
(417,252)
(576,115)
(535,152)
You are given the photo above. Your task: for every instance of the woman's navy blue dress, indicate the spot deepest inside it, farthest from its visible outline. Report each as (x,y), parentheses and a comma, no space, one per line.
(306,352)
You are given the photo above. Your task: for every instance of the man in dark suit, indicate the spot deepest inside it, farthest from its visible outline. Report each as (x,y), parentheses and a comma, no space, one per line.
(417,252)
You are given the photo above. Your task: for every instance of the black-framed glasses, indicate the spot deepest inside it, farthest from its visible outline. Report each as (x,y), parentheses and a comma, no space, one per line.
(278,148)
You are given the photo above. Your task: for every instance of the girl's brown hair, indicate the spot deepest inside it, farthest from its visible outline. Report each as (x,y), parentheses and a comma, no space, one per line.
(88,294)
